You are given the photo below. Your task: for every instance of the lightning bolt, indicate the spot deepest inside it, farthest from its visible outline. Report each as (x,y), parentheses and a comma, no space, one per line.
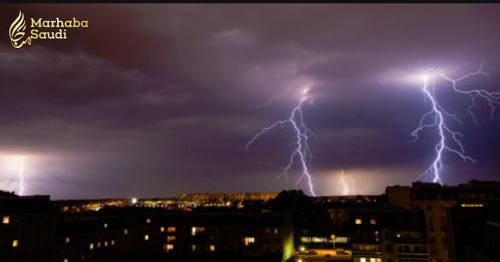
(449,139)
(491,98)
(301,151)
(348,184)
(21,175)
(345,185)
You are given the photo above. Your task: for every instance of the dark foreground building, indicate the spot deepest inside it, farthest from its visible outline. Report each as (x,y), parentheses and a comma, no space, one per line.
(441,205)
(424,222)
(156,235)
(474,232)
(27,226)
(32,230)
(388,235)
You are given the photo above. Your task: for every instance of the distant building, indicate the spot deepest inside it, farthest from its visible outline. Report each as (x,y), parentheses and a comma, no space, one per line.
(226,197)
(88,205)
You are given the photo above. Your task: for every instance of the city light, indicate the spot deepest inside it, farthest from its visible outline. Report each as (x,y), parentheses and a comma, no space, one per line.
(248,241)
(168,247)
(472,205)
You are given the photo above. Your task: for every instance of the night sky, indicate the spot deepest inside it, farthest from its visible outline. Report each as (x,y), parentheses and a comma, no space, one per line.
(156,100)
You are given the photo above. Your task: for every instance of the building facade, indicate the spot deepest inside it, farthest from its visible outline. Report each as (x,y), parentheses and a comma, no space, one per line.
(435,201)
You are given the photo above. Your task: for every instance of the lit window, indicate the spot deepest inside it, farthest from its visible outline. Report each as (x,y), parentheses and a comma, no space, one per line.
(146,237)
(6,220)
(170,238)
(379,260)
(196,230)
(91,246)
(305,239)
(193,248)
(372,259)
(66,240)
(15,243)
(66,260)
(162,229)
(362,259)
(125,231)
(276,231)
(212,248)
(248,241)
(168,247)
(373,221)
(148,220)
(358,221)
(98,244)
(105,225)
(171,229)
(105,243)
(472,205)
(112,242)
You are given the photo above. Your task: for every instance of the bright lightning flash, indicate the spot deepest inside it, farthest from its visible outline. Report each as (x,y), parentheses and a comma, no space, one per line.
(449,139)
(21,175)
(344,184)
(348,184)
(301,152)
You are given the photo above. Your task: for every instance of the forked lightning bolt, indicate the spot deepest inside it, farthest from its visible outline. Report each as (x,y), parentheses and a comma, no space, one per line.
(491,98)
(449,140)
(301,151)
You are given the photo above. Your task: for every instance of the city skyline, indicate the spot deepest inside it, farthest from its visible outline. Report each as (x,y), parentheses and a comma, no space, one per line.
(154,101)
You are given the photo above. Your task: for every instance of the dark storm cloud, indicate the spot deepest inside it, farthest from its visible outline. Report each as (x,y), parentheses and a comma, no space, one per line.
(156,100)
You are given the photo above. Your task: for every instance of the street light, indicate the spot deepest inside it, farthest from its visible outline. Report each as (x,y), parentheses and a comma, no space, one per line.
(334,249)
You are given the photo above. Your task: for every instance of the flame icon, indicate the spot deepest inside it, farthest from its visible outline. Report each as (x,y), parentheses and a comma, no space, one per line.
(17,32)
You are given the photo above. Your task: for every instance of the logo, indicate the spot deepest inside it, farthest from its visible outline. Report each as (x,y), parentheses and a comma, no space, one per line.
(41,29)
(17,32)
